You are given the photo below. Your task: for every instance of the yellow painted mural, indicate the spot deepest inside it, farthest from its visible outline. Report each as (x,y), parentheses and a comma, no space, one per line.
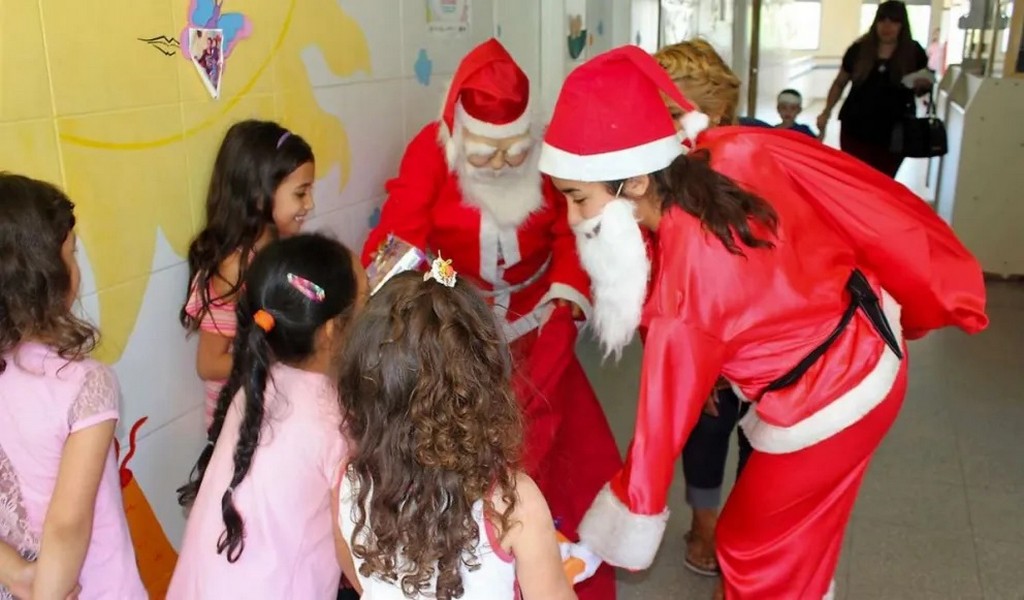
(97,95)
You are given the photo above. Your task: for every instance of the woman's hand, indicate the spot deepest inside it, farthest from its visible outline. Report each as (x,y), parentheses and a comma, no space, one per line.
(823,120)
(577,312)
(711,406)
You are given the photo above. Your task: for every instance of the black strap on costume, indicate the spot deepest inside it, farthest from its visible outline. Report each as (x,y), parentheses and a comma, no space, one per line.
(861,297)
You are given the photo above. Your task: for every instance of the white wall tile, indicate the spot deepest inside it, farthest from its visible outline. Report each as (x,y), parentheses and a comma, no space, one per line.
(381,22)
(373,118)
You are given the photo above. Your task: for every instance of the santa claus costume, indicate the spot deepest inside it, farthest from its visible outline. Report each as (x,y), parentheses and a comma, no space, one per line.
(504,226)
(810,326)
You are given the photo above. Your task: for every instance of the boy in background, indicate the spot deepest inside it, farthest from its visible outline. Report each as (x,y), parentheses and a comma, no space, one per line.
(790,105)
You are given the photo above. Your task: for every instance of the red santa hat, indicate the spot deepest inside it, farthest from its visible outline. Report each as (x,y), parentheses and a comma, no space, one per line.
(489,96)
(610,121)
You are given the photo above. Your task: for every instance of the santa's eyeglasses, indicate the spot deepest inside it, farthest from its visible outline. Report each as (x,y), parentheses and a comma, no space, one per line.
(481,155)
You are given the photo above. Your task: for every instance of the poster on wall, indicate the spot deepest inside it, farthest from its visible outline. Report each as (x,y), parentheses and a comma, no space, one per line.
(576,17)
(206,50)
(448,16)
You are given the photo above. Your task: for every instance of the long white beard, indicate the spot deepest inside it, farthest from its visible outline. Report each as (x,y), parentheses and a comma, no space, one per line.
(612,250)
(508,195)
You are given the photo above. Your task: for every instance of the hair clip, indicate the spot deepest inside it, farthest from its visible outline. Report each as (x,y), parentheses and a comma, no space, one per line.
(306,287)
(264,320)
(284,136)
(441,271)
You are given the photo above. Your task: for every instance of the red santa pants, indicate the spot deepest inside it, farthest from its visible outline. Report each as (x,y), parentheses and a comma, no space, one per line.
(569,448)
(782,528)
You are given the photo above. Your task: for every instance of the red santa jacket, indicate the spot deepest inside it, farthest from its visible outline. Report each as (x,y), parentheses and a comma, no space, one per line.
(754,318)
(520,269)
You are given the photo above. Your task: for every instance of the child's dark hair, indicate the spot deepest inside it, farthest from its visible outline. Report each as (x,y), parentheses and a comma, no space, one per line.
(792,92)
(425,387)
(35,285)
(725,209)
(291,339)
(253,160)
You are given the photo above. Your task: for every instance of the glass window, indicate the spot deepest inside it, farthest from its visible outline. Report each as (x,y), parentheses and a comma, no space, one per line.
(800,21)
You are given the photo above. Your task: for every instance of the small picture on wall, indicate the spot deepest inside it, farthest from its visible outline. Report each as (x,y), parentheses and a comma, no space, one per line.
(206,48)
(576,15)
(448,16)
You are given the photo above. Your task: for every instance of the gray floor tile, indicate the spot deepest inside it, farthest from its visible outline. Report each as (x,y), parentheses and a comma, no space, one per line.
(886,557)
(861,590)
(916,504)
(1001,564)
(998,514)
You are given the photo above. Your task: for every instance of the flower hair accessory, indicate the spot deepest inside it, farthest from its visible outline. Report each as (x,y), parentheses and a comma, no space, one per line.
(442,272)
(264,320)
(306,287)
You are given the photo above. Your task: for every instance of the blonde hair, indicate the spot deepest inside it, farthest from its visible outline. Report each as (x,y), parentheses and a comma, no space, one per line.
(703,77)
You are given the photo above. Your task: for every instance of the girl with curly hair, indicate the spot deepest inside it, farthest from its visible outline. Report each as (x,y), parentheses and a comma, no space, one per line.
(432,504)
(60,494)
(260,494)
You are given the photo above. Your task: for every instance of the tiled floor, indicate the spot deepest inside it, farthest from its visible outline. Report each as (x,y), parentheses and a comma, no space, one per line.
(941,513)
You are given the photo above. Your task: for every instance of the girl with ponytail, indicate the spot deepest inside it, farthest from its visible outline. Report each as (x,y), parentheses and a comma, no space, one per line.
(259,495)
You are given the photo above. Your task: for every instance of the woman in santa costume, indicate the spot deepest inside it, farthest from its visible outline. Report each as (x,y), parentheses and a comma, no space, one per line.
(795,272)
(469,190)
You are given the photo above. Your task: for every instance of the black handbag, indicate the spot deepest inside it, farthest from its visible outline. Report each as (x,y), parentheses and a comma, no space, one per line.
(920,137)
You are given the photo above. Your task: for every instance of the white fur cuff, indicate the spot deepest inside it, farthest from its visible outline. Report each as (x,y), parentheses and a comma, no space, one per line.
(561,291)
(622,538)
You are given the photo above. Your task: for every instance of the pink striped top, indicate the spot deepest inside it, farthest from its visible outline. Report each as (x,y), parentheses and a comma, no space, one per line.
(219,319)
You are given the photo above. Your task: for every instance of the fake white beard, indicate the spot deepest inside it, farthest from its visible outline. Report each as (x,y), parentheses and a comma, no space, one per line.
(508,195)
(615,257)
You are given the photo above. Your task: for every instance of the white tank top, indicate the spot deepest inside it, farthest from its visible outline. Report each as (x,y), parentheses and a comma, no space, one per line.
(495,579)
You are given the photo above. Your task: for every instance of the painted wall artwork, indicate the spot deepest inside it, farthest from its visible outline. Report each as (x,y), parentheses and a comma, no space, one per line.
(130,128)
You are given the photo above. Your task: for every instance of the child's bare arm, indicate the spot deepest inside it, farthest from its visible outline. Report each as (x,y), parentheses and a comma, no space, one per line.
(213,358)
(16,573)
(341,549)
(538,562)
(67,528)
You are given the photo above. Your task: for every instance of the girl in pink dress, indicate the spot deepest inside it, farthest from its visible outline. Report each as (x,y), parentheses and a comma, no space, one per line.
(260,496)
(60,495)
(261,189)
(433,504)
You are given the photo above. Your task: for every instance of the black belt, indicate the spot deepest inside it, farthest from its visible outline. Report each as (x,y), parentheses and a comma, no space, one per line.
(861,297)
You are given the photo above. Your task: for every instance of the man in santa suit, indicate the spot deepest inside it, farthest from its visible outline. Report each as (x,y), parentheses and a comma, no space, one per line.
(469,190)
(793,271)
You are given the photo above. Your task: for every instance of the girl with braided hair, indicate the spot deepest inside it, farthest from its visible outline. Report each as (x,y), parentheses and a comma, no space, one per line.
(260,494)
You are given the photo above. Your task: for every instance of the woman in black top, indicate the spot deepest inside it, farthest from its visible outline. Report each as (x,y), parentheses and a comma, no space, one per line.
(877,64)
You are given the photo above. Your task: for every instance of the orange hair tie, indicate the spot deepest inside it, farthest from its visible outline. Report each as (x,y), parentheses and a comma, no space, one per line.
(264,320)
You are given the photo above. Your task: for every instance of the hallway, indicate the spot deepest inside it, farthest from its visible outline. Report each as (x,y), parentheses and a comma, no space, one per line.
(938,517)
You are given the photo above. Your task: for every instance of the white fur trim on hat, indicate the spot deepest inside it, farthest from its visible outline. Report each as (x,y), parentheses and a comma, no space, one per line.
(693,123)
(450,140)
(622,538)
(489,130)
(610,166)
(842,412)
